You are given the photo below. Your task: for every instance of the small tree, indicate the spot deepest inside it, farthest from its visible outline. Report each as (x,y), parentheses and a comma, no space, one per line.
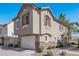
(78,43)
(49,48)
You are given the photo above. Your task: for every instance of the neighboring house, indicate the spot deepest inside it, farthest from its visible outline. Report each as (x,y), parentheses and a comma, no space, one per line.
(75,35)
(10,37)
(7,35)
(1,34)
(74,27)
(74,30)
(38,27)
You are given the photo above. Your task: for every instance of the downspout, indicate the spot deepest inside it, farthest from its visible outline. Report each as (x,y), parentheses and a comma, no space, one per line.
(37,37)
(39,21)
(39,24)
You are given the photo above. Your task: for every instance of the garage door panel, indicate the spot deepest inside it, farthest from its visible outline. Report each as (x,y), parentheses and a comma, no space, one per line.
(28,42)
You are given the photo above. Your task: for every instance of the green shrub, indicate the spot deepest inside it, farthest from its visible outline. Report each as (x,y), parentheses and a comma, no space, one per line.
(10,45)
(15,46)
(78,43)
(69,44)
(63,53)
(49,48)
(53,47)
(73,43)
(59,44)
(39,49)
(49,53)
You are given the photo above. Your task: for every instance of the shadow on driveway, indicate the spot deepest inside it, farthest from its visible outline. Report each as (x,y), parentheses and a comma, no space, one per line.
(71,48)
(14,49)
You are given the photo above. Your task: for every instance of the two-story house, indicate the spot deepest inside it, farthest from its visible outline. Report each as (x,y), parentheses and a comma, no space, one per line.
(7,35)
(1,34)
(37,27)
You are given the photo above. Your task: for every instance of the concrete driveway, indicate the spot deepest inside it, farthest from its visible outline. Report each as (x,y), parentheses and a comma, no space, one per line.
(4,51)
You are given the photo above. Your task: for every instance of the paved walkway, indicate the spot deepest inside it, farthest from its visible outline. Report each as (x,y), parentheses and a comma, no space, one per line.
(4,51)
(57,52)
(15,52)
(68,52)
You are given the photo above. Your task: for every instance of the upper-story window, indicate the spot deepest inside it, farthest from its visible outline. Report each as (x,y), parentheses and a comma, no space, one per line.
(25,19)
(60,27)
(0,30)
(47,21)
(17,24)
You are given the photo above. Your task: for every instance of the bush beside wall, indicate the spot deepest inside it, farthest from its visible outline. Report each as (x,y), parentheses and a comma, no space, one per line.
(16,46)
(59,44)
(10,45)
(49,48)
(39,49)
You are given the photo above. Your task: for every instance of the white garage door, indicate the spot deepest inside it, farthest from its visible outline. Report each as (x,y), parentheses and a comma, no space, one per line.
(28,42)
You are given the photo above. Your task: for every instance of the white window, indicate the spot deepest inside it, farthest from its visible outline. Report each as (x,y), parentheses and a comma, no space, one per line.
(60,27)
(45,38)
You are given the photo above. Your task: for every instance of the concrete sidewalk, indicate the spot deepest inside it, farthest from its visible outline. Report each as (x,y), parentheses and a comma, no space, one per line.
(16,52)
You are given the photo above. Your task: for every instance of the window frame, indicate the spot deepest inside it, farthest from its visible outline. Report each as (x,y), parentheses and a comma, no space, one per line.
(17,23)
(47,21)
(25,19)
(61,27)
(45,38)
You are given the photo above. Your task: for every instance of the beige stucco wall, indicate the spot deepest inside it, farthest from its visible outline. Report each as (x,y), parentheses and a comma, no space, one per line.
(26,29)
(54,29)
(45,29)
(36,18)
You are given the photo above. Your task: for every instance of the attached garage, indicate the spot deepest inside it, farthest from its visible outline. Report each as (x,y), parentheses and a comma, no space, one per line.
(28,42)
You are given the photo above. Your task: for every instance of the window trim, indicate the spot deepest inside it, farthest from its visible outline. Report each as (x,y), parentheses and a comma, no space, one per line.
(17,23)
(24,20)
(61,27)
(46,39)
(27,15)
(47,21)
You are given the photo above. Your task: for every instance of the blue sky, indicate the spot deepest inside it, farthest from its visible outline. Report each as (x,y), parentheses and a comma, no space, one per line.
(9,11)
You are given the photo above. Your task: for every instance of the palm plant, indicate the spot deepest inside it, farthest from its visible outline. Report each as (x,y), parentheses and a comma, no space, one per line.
(63,20)
(71,26)
(66,23)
